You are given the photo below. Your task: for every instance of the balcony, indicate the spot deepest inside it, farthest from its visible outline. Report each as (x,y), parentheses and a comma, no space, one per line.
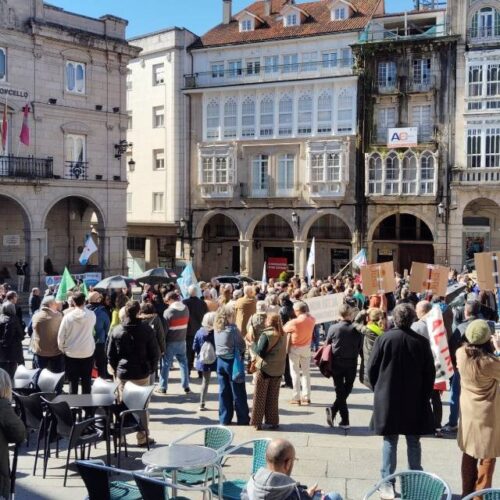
(263,74)
(472,176)
(483,35)
(423,84)
(213,191)
(75,170)
(26,167)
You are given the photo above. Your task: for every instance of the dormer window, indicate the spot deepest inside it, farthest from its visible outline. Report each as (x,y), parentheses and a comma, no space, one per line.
(246,25)
(339,14)
(291,20)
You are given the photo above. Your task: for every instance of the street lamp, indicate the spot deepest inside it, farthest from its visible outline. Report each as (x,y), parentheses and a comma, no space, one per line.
(441,211)
(295,219)
(131,165)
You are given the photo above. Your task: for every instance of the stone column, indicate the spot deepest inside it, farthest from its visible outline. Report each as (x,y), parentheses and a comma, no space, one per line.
(151,252)
(36,254)
(300,257)
(198,256)
(246,263)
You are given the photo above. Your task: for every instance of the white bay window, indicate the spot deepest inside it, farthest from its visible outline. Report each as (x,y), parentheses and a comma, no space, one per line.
(325,172)
(216,171)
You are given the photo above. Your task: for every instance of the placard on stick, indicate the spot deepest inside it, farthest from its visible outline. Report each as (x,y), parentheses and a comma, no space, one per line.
(378,279)
(487,265)
(429,279)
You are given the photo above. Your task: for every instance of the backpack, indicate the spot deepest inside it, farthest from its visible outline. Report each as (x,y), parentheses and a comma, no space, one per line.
(207,353)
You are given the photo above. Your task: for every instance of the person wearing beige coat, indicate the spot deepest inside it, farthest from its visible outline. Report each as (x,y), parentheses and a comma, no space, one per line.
(478,430)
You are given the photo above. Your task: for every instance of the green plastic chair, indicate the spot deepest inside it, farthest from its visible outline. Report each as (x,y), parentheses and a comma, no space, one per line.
(226,489)
(416,485)
(97,478)
(155,489)
(216,437)
(486,494)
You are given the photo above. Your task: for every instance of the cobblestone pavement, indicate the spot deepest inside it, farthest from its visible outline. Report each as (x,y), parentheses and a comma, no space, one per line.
(345,462)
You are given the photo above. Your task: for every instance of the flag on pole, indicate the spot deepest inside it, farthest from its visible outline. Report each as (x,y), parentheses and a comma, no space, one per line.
(4,127)
(67,284)
(89,248)
(360,259)
(310,261)
(24,136)
(264,273)
(84,289)
(187,279)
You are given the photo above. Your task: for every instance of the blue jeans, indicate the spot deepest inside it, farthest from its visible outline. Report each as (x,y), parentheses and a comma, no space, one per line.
(390,454)
(232,396)
(54,363)
(454,399)
(177,350)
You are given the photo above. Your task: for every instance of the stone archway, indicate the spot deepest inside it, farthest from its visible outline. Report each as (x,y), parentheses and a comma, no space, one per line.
(68,222)
(402,238)
(15,238)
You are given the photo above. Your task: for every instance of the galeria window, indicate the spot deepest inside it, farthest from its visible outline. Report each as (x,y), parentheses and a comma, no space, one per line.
(216,170)
(75,77)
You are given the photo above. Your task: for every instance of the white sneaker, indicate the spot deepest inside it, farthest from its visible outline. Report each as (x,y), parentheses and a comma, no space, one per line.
(386,491)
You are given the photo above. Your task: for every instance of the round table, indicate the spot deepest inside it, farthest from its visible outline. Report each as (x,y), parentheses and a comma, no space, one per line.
(179,456)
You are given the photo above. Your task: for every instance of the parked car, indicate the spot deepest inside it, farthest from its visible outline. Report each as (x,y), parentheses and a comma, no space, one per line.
(237,280)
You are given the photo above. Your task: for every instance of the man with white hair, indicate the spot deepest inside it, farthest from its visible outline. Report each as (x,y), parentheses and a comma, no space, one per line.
(244,308)
(197,309)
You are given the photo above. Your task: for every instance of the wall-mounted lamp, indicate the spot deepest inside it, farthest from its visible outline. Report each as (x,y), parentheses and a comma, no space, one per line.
(295,219)
(131,165)
(121,148)
(441,210)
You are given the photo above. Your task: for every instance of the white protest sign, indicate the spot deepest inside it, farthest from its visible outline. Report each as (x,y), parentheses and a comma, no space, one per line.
(439,346)
(326,307)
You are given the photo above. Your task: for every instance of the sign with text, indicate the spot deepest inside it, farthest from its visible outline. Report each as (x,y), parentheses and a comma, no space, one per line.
(326,307)
(402,137)
(11,240)
(10,92)
(487,268)
(378,279)
(428,279)
(91,279)
(276,265)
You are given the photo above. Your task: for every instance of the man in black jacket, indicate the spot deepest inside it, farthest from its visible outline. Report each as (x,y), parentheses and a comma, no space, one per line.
(346,346)
(197,309)
(401,371)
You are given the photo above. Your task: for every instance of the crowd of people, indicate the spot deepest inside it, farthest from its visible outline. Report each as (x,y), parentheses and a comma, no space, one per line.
(267,330)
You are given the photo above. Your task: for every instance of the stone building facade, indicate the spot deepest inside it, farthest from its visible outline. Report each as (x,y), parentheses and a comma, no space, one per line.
(474,202)
(407,66)
(273,101)
(158,130)
(67,183)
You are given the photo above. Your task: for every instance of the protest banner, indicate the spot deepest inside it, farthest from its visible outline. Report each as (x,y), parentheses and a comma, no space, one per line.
(326,307)
(275,266)
(439,347)
(378,279)
(91,279)
(487,270)
(428,279)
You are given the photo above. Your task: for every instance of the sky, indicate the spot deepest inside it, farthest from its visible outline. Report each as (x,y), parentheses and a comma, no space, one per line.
(152,15)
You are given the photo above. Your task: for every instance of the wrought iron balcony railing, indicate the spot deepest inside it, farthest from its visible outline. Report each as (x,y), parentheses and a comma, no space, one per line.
(75,170)
(26,167)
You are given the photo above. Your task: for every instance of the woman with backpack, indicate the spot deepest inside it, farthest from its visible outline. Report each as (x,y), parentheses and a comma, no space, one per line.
(204,349)
(270,354)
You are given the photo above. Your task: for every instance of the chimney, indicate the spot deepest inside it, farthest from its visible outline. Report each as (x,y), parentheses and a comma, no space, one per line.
(267,7)
(226,11)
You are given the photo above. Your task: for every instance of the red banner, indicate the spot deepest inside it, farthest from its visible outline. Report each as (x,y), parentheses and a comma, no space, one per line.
(276,265)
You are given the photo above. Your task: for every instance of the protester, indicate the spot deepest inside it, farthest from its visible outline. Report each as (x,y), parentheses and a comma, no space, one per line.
(149,317)
(210,302)
(228,344)
(101,330)
(346,344)
(270,355)
(46,322)
(76,341)
(205,335)
(11,337)
(255,327)
(274,481)
(133,354)
(176,324)
(12,430)
(286,313)
(478,430)
(374,328)
(34,301)
(244,308)
(401,371)
(300,332)
(120,302)
(197,309)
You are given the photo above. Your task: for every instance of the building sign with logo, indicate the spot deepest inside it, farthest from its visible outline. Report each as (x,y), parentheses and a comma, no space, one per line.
(402,137)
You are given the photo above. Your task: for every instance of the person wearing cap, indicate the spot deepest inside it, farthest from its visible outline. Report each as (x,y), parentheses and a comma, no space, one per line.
(478,429)
(46,322)
(101,330)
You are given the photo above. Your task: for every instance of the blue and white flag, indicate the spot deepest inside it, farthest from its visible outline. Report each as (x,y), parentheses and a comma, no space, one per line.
(89,248)
(264,273)
(360,259)
(310,261)
(187,279)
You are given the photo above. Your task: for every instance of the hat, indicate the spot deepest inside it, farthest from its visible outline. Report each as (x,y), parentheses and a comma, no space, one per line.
(478,332)
(94,297)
